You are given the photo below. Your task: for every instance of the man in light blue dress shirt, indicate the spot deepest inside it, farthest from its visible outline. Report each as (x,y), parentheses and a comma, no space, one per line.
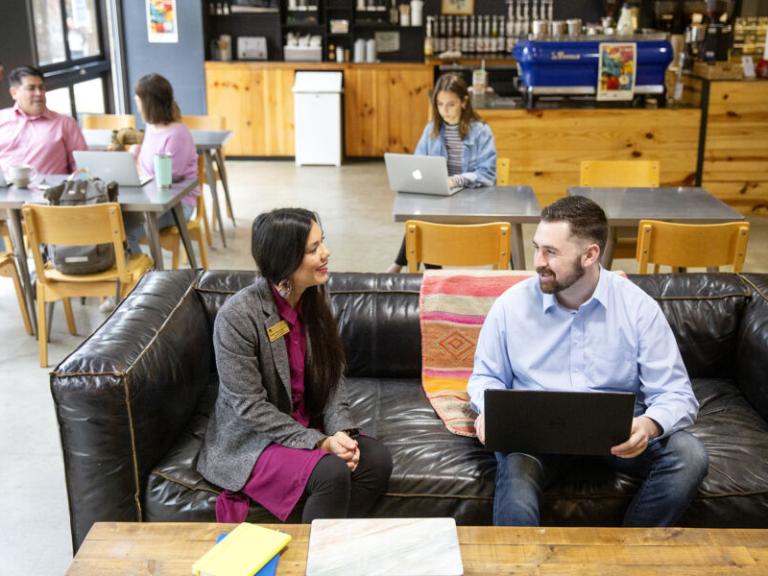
(579,327)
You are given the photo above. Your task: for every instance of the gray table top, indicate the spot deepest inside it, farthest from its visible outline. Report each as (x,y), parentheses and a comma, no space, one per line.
(99,139)
(627,206)
(470,206)
(147,198)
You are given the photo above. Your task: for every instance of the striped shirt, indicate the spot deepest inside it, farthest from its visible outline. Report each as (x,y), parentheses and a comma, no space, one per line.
(455,146)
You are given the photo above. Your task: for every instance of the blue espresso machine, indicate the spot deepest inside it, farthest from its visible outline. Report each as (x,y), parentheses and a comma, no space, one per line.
(559,66)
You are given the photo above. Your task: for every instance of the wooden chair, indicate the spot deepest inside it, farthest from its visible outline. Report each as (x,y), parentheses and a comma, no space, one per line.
(210,123)
(502,171)
(8,270)
(691,245)
(107,121)
(621,174)
(457,245)
(78,226)
(170,239)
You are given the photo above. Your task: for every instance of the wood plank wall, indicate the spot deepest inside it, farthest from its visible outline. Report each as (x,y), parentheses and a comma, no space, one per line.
(736,150)
(386,108)
(546,147)
(258,106)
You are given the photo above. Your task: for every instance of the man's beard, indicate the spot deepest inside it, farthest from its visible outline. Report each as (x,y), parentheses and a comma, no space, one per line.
(553,284)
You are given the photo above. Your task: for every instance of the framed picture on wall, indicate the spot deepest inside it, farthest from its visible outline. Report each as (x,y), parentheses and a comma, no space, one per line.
(458,7)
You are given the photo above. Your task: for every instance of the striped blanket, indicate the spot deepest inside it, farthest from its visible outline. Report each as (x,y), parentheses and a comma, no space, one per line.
(452,308)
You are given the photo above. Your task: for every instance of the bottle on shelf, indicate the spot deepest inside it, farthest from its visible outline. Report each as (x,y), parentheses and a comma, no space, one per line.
(465,34)
(428,43)
(394,12)
(472,35)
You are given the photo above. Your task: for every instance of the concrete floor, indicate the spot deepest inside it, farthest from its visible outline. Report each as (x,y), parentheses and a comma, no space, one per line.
(355,205)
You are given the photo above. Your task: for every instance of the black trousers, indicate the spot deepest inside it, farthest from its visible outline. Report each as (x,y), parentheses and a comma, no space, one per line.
(335,492)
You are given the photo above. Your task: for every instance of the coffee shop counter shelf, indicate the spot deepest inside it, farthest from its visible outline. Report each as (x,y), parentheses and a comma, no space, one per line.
(385,105)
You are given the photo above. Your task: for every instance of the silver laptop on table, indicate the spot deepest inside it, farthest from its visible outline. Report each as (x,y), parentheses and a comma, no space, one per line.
(419,174)
(117,166)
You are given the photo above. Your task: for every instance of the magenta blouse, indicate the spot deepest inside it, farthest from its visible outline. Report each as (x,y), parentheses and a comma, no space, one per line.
(280,475)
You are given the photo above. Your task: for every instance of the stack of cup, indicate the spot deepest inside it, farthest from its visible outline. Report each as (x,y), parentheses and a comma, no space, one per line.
(370,51)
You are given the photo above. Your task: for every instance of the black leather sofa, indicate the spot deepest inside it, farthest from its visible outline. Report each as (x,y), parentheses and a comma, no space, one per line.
(132,404)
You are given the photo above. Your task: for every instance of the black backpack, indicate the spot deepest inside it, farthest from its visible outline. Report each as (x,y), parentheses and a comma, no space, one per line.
(75,191)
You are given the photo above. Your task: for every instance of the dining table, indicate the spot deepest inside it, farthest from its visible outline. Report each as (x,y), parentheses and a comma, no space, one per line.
(210,144)
(150,200)
(627,206)
(514,204)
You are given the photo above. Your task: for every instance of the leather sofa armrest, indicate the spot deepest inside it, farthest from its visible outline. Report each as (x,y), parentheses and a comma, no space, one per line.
(753,345)
(126,393)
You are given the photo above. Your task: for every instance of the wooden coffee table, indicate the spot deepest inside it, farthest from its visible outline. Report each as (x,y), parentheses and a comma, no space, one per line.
(169,549)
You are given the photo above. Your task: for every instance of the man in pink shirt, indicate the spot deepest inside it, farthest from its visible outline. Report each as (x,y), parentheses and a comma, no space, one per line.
(32,134)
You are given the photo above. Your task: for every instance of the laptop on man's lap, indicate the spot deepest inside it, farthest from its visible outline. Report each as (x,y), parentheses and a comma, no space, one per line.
(554,422)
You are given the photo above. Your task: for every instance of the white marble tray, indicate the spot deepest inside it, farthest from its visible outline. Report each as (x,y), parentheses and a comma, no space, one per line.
(393,546)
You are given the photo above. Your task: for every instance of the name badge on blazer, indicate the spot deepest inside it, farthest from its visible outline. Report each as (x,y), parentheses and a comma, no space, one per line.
(277,331)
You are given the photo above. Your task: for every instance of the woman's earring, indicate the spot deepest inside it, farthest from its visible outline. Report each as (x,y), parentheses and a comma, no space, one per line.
(285,287)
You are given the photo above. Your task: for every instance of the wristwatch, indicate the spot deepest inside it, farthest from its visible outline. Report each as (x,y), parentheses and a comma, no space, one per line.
(352,432)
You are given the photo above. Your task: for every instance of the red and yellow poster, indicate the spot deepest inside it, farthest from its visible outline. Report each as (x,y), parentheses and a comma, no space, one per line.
(616,71)
(161,21)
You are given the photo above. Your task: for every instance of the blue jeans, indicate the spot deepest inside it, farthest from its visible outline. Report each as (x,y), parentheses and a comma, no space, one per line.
(134,226)
(671,470)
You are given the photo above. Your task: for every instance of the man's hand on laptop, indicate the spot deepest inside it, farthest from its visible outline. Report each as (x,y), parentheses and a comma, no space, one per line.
(480,428)
(644,430)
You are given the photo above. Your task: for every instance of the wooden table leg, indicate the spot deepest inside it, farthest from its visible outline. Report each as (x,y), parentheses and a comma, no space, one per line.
(17,237)
(181,224)
(153,235)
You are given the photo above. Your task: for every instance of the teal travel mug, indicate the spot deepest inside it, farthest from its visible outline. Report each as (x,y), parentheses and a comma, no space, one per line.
(163,170)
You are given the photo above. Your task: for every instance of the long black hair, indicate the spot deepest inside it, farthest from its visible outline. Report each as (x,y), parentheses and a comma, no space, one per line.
(278,244)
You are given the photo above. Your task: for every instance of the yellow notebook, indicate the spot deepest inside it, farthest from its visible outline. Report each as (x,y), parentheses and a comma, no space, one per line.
(243,552)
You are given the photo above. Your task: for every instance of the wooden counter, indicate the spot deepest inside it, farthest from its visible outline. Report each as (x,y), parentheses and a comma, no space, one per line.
(385,105)
(735,154)
(546,147)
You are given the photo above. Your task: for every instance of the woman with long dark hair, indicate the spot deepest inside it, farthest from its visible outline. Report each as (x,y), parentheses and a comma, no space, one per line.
(281,427)
(457,133)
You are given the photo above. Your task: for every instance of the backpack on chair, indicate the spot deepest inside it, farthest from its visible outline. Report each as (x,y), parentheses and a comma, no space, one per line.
(79,191)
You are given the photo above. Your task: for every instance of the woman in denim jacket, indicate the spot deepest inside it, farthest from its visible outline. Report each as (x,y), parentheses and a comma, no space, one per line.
(457,133)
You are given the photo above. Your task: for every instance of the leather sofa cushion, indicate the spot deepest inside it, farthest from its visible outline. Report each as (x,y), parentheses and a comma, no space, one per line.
(438,473)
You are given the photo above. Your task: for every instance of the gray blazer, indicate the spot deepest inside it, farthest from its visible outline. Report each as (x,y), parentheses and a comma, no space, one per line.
(253,407)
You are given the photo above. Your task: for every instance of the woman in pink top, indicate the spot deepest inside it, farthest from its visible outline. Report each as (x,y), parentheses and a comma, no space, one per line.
(164,134)
(281,428)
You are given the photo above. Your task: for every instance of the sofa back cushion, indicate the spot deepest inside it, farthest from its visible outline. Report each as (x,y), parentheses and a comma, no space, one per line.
(377,315)
(705,312)
(751,360)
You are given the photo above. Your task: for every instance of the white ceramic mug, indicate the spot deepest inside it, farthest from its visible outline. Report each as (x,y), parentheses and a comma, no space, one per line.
(21,175)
